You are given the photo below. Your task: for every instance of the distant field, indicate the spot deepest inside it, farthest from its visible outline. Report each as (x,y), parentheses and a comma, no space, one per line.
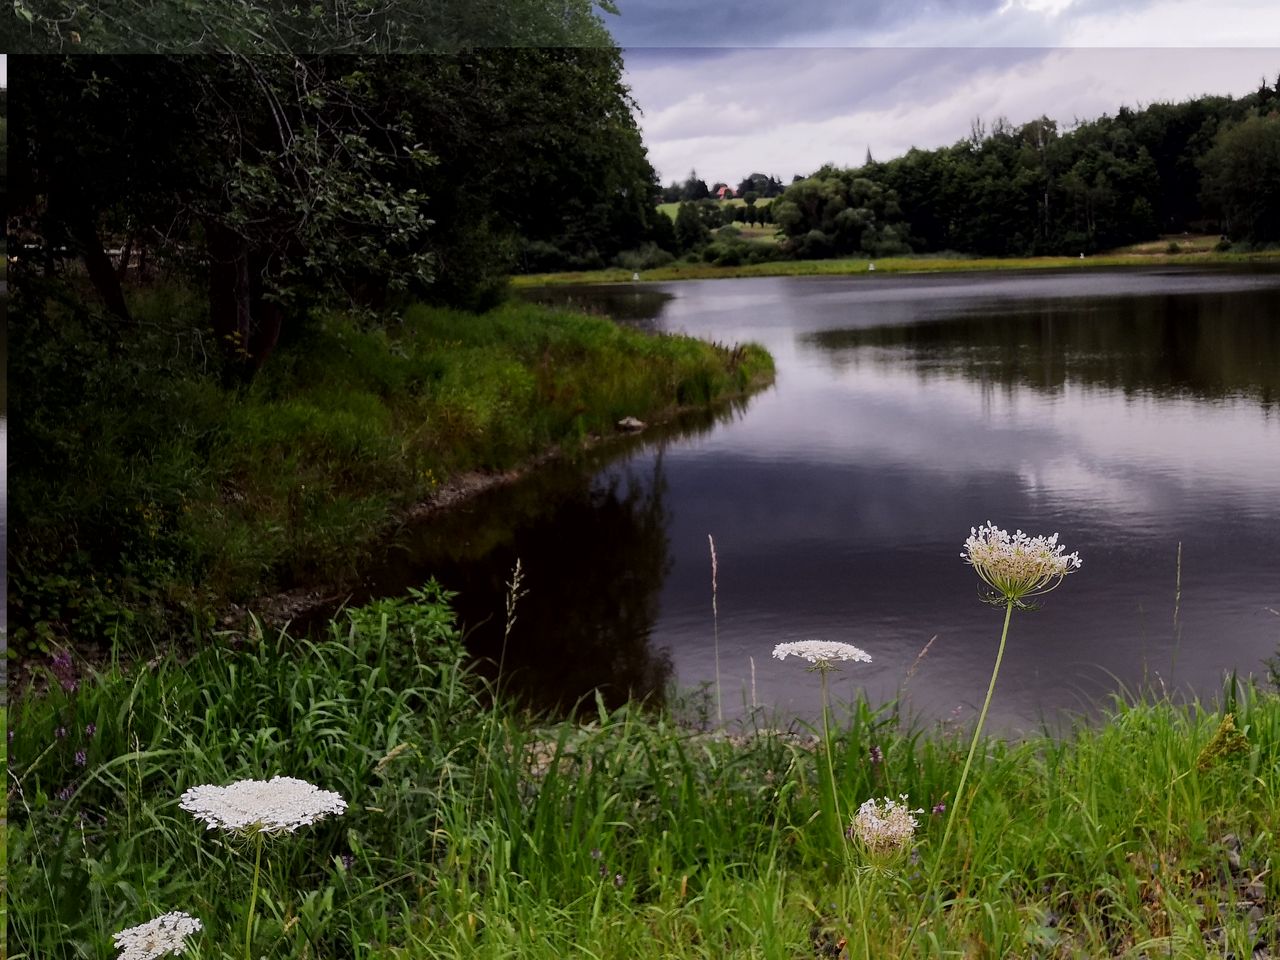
(670,208)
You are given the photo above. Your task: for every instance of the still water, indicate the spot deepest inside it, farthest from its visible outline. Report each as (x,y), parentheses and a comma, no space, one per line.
(1136,413)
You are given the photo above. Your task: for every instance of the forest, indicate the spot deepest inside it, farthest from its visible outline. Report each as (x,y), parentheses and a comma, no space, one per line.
(1211,164)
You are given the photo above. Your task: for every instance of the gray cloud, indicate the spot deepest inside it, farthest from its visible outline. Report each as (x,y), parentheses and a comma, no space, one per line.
(945,23)
(669,23)
(736,23)
(786,111)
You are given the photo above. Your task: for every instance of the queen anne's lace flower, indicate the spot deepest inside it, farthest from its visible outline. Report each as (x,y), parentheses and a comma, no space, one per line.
(884,827)
(278,805)
(157,938)
(1017,566)
(821,651)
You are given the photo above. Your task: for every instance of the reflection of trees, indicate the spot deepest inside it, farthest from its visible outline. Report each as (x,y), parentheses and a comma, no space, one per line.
(632,305)
(1207,346)
(592,541)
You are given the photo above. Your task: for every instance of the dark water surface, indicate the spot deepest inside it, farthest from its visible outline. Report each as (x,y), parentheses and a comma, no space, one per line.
(1129,411)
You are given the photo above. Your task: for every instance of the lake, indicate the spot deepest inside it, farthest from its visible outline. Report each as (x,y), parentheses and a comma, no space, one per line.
(1136,413)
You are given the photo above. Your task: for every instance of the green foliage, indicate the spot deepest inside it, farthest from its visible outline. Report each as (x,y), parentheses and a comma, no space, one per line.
(645,257)
(470,831)
(271,26)
(151,492)
(837,213)
(1242,178)
(296,180)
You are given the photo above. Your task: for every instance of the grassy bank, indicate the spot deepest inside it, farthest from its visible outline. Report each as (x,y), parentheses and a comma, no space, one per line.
(152,490)
(473,833)
(921,264)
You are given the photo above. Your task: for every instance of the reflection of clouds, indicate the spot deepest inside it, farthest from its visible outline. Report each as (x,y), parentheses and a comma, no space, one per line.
(1069,440)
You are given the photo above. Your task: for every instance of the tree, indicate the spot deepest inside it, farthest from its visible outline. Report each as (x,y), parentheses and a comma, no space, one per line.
(276,196)
(691,231)
(1242,178)
(695,188)
(280,26)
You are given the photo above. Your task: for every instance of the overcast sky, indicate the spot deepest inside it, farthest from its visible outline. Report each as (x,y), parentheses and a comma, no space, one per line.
(737,86)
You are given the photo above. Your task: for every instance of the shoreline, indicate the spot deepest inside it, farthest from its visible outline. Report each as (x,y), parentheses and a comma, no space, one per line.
(278,610)
(861,266)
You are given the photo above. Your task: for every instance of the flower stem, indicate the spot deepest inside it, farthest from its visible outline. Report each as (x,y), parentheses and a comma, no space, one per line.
(862,913)
(831,770)
(964,776)
(253,899)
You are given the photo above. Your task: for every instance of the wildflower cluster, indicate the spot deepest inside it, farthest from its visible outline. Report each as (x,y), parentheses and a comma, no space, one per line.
(278,805)
(166,934)
(885,826)
(821,653)
(1017,566)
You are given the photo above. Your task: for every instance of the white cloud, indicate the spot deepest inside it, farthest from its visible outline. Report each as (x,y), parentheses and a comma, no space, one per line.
(786,111)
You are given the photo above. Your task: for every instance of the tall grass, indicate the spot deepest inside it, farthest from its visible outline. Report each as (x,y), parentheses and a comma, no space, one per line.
(474,832)
(152,492)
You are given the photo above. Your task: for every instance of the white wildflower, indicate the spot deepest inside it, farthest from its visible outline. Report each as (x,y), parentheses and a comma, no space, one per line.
(821,652)
(884,827)
(157,938)
(278,805)
(1017,566)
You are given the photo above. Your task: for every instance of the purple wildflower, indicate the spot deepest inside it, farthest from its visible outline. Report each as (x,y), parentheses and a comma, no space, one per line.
(90,729)
(876,755)
(595,853)
(61,733)
(64,670)
(81,758)
(604,871)
(65,793)
(348,861)
(939,809)
(618,881)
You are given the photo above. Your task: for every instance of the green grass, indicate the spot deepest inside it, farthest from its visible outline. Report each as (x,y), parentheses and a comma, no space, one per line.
(154,493)
(671,209)
(913,264)
(4,843)
(471,832)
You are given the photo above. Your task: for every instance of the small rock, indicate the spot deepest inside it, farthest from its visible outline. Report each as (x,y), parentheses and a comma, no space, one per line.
(630,424)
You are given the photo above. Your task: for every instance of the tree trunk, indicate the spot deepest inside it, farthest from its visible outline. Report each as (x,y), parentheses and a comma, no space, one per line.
(246,326)
(126,254)
(101,271)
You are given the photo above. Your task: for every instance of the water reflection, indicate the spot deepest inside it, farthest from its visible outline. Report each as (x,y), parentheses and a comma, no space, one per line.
(591,537)
(1204,347)
(1131,411)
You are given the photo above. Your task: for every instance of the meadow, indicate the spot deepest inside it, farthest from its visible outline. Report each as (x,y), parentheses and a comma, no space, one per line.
(474,831)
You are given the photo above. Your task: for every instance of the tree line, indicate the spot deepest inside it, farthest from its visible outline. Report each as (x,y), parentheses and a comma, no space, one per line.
(694,188)
(1208,164)
(283,26)
(279,182)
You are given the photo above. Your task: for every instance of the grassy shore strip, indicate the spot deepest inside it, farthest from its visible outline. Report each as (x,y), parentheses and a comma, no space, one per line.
(473,833)
(189,493)
(858,266)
